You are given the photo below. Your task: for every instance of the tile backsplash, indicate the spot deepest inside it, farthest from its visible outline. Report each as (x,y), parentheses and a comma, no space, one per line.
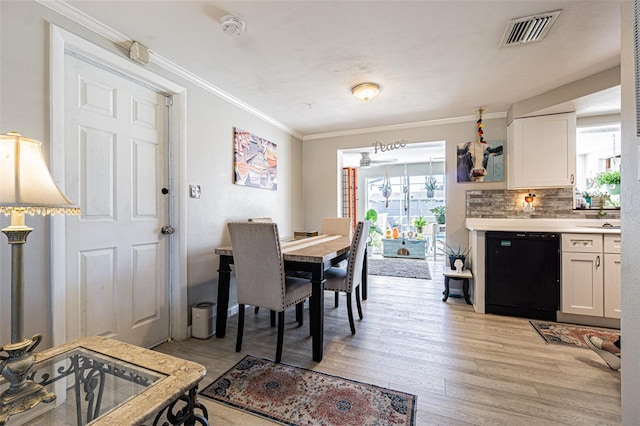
(548,203)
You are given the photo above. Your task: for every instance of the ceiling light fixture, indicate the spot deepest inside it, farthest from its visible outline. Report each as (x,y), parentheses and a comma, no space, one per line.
(366,91)
(232,25)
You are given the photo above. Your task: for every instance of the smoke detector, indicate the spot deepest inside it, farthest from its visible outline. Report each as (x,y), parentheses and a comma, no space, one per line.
(232,25)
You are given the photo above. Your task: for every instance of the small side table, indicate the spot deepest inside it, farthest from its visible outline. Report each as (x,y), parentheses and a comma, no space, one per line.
(464,276)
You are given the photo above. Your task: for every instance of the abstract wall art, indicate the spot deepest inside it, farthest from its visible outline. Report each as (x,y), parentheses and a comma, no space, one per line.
(255,161)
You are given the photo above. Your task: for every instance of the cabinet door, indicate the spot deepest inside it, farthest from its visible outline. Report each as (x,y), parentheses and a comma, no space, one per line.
(612,285)
(582,283)
(542,151)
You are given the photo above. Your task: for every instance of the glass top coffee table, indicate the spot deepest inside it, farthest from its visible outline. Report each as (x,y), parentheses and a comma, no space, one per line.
(101,381)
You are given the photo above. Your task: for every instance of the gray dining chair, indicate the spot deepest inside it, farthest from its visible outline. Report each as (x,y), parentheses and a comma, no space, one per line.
(260,276)
(336,226)
(264,220)
(261,219)
(348,280)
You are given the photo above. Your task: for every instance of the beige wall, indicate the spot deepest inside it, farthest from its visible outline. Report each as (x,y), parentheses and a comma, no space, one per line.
(24,107)
(321,172)
(630,229)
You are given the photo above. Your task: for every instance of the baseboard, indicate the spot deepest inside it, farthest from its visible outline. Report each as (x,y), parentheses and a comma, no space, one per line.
(589,320)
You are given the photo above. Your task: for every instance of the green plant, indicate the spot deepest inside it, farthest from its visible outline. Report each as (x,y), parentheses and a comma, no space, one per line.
(420,222)
(372,216)
(451,252)
(438,210)
(608,178)
(430,183)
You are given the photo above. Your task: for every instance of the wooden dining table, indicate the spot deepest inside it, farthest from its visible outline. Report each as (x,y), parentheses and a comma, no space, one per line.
(314,255)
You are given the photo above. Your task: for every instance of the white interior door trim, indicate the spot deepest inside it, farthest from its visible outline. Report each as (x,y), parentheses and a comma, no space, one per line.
(61,40)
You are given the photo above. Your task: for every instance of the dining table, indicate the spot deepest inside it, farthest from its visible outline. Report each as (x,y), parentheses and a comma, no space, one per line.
(312,255)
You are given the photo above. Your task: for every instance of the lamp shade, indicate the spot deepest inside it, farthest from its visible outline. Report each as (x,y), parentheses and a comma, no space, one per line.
(26,185)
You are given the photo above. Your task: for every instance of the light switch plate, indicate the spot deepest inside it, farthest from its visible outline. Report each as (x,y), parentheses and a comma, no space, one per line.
(194,191)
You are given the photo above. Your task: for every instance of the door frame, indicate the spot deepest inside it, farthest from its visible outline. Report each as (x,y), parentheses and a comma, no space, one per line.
(61,40)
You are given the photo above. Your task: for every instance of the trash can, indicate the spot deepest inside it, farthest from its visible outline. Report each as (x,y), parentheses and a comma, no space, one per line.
(202,320)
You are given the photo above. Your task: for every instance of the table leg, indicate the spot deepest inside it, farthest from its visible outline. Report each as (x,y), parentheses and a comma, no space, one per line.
(446,289)
(365,275)
(317,311)
(465,289)
(224,280)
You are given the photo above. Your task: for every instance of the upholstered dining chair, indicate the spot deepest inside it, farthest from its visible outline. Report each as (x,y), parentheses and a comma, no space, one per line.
(336,226)
(261,219)
(348,280)
(260,276)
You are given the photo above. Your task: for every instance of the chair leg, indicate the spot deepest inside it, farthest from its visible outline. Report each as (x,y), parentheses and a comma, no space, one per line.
(240,327)
(358,303)
(273,318)
(337,302)
(300,313)
(350,312)
(280,336)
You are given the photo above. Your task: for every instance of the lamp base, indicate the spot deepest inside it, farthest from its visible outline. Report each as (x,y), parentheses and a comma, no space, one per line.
(22,394)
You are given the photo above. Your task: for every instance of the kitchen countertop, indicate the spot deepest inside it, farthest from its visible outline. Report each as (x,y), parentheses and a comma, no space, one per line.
(582,226)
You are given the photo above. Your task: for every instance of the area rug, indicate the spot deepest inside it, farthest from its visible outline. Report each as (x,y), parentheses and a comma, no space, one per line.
(298,396)
(570,334)
(392,267)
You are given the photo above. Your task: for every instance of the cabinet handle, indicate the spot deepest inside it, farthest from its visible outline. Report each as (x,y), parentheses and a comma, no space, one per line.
(572,179)
(597,262)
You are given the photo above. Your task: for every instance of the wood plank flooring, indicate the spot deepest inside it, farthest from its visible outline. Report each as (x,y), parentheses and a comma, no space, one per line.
(466,368)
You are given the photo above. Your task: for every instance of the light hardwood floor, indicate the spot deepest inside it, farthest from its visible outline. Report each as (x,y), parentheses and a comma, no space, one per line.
(466,368)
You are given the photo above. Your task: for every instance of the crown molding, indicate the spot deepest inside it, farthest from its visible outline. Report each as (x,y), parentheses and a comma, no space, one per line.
(438,122)
(92,24)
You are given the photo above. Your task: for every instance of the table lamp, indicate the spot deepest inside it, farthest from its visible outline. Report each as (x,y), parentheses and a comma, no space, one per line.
(26,187)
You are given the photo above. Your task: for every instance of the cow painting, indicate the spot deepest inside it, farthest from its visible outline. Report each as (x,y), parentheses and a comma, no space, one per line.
(473,158)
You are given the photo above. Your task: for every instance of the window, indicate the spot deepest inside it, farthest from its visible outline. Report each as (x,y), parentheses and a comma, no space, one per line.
(598,165)
(405,207)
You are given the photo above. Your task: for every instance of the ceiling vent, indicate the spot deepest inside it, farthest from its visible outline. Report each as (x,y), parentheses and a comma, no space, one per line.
(529,29)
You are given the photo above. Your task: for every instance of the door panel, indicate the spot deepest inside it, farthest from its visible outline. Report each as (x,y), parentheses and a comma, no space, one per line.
(115,168)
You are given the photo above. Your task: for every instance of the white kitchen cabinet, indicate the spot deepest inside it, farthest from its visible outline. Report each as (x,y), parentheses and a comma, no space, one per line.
(542,151)
(612,276)
(591,275)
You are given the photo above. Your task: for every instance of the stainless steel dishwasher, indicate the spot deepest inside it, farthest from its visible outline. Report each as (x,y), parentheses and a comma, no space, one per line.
(523,274)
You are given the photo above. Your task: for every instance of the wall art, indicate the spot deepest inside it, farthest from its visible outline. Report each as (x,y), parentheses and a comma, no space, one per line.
(480,161)
(255,161)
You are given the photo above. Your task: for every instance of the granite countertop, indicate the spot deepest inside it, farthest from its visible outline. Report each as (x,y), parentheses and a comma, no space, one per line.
(581,226)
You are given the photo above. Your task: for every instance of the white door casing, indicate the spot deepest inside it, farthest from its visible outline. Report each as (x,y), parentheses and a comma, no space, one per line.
(142,309)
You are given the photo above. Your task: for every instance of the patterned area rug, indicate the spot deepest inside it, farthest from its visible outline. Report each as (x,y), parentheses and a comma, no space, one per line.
(570,334)
(392,267)
(297,396)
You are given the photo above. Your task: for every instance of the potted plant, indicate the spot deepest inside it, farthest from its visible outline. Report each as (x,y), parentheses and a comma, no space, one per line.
(430,184)
(372,216)
(439,212)
(420,223)
(454,254)
(609,180)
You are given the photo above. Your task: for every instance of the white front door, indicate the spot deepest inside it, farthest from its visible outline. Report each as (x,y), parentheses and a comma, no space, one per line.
(115,170)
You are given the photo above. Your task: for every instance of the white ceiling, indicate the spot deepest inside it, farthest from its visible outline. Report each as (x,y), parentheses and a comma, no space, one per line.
(298,60)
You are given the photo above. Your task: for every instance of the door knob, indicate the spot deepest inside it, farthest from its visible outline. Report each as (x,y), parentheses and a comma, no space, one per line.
(167,230)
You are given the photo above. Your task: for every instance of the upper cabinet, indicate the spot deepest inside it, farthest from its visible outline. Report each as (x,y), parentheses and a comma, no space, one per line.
(542,151)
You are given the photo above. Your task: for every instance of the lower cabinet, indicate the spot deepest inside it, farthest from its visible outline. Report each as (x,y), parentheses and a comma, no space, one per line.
(591,274)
